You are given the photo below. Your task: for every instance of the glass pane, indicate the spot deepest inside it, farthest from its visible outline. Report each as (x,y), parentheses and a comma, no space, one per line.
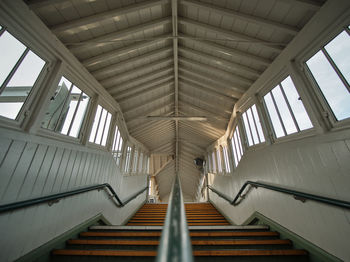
(140,162)
(12,49)
(100,127)
(214,162)
(79,117)
(336,94)
(119,150)
(56,106)
(28,71)
(339,49)
(219,160)
(239,141)
(115,139)
(73,102)
(227,163)
(258,123)
(239,155)
(234,150)
(245,121)
(284,111)
(10,110)
(95,124)
(105,132)
(273,115)
(296,104)
(252,126)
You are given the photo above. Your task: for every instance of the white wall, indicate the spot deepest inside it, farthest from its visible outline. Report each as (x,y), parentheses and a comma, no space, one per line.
(32,166)
(318,165)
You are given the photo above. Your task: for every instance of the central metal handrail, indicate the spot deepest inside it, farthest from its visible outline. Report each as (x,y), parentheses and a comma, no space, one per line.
(302,196)
(175,244)
(54,198)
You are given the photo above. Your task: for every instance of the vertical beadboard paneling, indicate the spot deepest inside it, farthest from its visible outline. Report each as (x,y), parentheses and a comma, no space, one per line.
(5,145)
(318,165)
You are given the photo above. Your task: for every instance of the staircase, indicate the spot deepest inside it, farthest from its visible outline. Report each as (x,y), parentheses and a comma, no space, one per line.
(212,236)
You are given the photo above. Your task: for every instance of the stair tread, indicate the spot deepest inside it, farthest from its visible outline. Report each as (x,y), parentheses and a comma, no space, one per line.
(228,227)
(277,252)
(194,242)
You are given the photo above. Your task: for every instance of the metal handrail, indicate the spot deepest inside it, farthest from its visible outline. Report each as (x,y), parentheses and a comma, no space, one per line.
(298,195)
(175,244)
(54,198)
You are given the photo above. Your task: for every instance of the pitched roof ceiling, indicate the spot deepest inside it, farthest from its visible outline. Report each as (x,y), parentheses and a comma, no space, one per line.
(177,60)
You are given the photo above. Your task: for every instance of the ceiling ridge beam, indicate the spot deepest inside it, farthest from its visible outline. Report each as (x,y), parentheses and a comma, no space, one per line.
(218,61)
(144,91)
(228,51)
(213,81)
(110,38)
(288,29)
(100,73)
(147,103)
(140,69)
(125,86)
(239,37)
(83,23)
(211,90)
(229,77)
(123,51)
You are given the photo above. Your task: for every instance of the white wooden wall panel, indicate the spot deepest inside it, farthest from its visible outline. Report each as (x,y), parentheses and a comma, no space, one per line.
(318,165)
(32,166)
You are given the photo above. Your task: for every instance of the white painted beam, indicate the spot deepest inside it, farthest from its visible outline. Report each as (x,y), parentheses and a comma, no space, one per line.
(140,70)
(114,68)
(203,111)
(140,80)
(143,92)
(238,83)
(151,101)
(110,38)
(223,63)
(92,21)
(309,4)
(95,60)
(234,53)
(234,36)
(214,81)
(202,87)
(150,112)
(173,118)
(283,28)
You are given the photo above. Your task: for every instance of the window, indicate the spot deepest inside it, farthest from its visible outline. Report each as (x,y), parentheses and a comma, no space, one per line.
(117,146)
(127,159)
(330,68)
(209,163)
(252,126)
(136,156)
(67,108)
(286,110)
(19,70)
(227,163)
(147,167)
(100,127)
(140,162)
(213,161)
(236,146)
(218,157)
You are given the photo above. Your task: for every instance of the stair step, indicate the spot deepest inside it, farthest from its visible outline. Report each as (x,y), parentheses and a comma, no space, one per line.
(194,242)
(192,234)
(126,253)
(229,227)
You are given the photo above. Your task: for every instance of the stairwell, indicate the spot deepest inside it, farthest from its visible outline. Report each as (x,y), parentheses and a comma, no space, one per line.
(212,236)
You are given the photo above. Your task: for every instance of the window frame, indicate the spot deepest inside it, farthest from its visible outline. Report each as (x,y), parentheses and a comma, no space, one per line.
(32,98)
(242,128)
(327,112)
(109,131)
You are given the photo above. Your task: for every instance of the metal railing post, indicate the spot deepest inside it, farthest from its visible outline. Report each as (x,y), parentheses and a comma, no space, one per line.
(175,244)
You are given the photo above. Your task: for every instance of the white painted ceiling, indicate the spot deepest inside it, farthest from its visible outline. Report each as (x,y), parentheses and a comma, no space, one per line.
(176,58)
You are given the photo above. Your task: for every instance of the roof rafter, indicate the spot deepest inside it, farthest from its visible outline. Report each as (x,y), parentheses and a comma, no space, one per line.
(216,48)
(231,35)
(100,73)
(120,88)
(81,24)
(249,18)
(110,38)
(238,68)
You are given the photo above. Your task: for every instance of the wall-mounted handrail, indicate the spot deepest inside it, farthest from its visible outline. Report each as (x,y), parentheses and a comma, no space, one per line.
(56,197)
(175,244)
(297,195)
